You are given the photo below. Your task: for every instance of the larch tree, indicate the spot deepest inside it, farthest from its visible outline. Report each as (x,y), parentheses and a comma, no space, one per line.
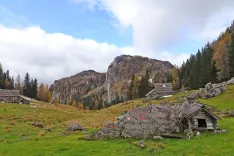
(41,92)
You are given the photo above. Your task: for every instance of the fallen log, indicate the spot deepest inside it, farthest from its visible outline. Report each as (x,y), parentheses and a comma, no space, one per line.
(173,136)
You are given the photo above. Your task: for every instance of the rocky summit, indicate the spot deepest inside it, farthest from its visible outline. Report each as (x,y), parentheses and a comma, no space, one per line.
(75,87)
(105,87)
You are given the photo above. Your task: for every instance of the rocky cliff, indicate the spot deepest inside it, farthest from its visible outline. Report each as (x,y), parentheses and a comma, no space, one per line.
(120,72)
(106,87)
(75,87)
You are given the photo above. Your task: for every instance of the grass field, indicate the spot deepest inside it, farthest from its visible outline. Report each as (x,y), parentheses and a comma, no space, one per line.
(19,137)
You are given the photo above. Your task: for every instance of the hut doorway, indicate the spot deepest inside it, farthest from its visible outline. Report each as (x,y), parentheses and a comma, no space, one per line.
(202,123)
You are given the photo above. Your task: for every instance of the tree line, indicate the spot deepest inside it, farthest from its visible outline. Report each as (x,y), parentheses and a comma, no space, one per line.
(213,63)
(28,87)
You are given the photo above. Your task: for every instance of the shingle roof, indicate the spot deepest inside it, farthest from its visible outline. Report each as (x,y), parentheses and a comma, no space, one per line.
(9,93)
(162,88)
(188,110)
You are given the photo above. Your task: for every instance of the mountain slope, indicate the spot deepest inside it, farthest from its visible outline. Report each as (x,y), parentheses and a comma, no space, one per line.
(98,90)
(75,87)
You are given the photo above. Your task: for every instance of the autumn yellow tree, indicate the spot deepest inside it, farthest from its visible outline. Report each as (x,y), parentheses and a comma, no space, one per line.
(56,100)
(41,92)
(221,55)
(48,95)
(74,103)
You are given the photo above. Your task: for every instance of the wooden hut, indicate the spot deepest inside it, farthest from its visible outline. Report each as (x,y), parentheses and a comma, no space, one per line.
(161,89)
(11,96)
(197,117)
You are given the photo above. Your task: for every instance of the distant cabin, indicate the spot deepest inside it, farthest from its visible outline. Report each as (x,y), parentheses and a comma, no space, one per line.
(12,96)
(161,89)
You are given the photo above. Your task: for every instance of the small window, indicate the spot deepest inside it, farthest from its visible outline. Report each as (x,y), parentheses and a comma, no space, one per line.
(202,123)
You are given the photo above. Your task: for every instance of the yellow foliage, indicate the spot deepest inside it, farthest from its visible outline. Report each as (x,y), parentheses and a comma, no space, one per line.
(74,103)
(56,101)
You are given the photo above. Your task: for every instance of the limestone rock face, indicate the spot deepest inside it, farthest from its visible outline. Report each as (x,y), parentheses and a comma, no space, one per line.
(108,85)
(75,87)
(120,72)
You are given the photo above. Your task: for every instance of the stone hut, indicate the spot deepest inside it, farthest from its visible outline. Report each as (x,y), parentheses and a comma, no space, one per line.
(11,96)
(161,89)
(160,119)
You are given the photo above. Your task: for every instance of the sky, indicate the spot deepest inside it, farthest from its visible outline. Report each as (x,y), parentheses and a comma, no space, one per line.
(52,39)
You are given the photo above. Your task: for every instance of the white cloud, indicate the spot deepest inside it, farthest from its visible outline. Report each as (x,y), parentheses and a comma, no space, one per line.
(51,56)
(159,24)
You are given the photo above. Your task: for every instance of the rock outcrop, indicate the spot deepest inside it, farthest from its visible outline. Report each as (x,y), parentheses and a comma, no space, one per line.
(157,120)
(107,86)
(231,81)
(144,122)
(120,72)
(75,87)
(212,90)
(75,127)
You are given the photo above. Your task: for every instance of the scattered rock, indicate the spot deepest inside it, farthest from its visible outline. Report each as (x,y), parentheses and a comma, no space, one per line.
(38,124)
(153,150)
(194,96)
(157,138)
(231,81)
(48,129)
(198,133)
(24,138)
(141,144)
(211,90)
(220,131)
(75,127)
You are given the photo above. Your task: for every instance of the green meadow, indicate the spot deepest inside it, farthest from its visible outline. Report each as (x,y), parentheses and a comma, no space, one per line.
(18,136)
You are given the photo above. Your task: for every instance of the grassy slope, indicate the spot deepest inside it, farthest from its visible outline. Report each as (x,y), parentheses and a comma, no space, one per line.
(16,120)
(224,101)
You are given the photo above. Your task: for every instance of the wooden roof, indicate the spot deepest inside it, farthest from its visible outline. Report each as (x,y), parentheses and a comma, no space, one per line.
(9,93)
(162,88)
(190,109)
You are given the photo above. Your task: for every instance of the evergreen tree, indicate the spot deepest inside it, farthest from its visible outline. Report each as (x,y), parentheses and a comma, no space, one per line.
(1,77)
(26,88)
(169,77)
(130,96)
(12,83)
(34,88)
(231,56)
(214,71)
(18,84)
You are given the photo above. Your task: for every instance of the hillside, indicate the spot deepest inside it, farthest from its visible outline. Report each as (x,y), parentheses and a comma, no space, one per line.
(99,90)
(18,134)
(74,87)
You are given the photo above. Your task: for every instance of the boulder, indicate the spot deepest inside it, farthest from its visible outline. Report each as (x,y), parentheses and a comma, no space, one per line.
(37,124)
(231,81)
(157,138)
(75,127)
(212,90)
(194,96)
(141,144)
